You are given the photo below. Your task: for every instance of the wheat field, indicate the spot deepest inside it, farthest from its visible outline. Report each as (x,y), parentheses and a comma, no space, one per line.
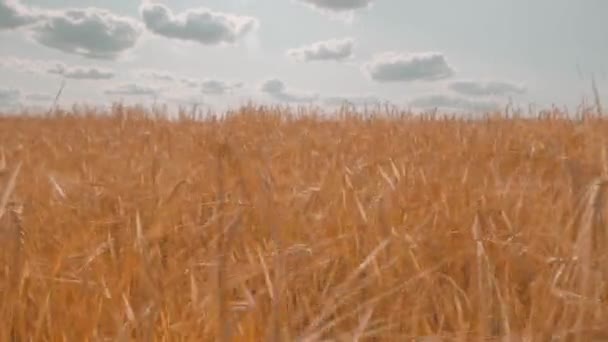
(266,225)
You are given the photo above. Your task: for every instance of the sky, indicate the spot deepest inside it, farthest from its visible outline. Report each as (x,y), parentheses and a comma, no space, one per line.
(469,55)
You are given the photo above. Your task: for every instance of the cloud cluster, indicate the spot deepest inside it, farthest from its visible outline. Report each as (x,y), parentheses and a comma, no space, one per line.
(90,32)
(492,88)
(352,100)
(157,75)
(278,90)
(217,87)
(453,103)
(97,33)
(9,96)
(333,49)
(401,67)
(14,15)
(338,5)
(100,34)
(199,25)
(39,97)
(76,72)
(132,89)
(189,82)
(80,72)
(21,64)
(206,86)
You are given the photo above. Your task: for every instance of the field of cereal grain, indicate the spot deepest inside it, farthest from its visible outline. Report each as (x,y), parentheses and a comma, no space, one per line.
(261,225)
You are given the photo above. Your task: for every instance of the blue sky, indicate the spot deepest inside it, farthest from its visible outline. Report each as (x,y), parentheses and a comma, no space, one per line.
(464,55)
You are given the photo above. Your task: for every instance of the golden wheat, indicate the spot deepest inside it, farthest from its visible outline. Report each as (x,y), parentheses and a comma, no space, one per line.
(263,224)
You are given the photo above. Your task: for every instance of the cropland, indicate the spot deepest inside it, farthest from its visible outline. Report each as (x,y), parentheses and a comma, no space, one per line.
(279,224)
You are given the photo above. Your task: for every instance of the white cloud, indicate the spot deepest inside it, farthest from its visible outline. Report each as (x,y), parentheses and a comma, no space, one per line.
(333,49)
(192,104)
(273,86)
(39,97)
(207,86)
(402,67)
(189,82)
(478,88)
(14,15)
(217,87)
(338,5)
(80,72)
(278,90)
(352,100)
(90,32)
(21,64)
(132,89)
(198,24)
(157,75)
(447,102)
(77,72)
(9,96)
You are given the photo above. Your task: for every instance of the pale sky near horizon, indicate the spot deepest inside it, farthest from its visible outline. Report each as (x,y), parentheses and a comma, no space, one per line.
(465,55)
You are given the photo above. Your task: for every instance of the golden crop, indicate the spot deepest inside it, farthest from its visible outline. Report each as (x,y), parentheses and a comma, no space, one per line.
(263,225)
